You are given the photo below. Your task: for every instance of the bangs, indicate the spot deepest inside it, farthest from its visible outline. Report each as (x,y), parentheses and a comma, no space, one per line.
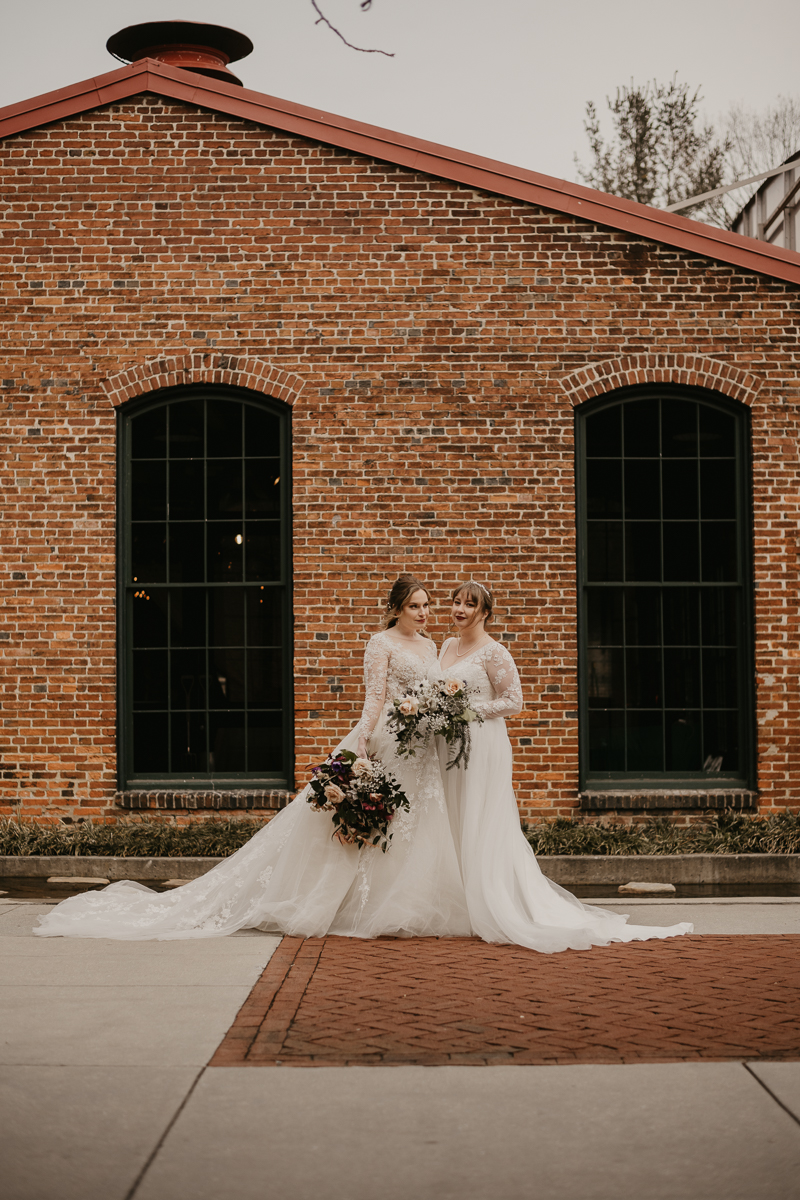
(471,591)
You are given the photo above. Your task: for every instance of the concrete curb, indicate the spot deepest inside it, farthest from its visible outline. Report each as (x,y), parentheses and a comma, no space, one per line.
(38,866)
(567,869)
(672,868)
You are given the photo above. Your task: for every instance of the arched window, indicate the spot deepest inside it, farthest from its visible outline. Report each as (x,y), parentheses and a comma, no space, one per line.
(665,647)
(205,680)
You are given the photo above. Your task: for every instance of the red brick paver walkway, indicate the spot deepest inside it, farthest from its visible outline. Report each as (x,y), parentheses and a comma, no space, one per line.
(344,1001)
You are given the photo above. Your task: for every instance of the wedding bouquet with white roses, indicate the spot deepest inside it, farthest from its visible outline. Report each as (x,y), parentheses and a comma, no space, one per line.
(431,708)
(362,796)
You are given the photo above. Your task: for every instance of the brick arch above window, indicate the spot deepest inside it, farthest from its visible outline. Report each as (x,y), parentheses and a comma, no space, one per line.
(182,370)
(689,370)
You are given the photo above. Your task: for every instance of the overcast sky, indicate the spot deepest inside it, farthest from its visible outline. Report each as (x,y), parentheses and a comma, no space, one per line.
(505,78)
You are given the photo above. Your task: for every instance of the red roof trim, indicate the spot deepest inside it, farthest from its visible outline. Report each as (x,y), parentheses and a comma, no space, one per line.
(460,166)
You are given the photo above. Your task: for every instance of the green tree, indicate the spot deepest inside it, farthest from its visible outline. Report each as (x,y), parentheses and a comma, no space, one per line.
(660,151)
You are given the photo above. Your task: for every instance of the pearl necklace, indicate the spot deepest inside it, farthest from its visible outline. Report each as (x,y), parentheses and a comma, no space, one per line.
(472,651)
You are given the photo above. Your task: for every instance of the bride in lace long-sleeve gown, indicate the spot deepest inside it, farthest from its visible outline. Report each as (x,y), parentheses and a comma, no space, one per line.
(508,897)
(292,876)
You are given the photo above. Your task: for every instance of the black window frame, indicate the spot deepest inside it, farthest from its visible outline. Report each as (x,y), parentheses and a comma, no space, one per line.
(200,781)
(745,776)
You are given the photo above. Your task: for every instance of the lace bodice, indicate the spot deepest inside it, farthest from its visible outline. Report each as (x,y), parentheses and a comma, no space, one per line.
(389,670)
(492,672)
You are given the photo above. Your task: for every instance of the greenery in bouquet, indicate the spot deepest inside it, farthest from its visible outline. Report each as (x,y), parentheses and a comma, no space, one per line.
(362,796)
(434,708)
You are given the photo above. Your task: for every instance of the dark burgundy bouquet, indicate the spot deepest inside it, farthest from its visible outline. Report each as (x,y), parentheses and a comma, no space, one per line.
(362,796)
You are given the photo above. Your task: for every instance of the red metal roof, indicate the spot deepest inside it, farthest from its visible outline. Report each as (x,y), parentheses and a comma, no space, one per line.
(147,75)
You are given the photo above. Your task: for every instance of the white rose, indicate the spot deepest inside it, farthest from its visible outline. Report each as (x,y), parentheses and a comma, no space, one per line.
(451,686)
(334,794)
(409,706)
(361,766)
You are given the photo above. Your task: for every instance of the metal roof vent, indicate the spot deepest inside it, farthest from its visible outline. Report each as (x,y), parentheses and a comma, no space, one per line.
(190,45)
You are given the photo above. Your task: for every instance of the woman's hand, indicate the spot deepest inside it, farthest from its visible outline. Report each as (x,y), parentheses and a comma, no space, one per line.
(362,748)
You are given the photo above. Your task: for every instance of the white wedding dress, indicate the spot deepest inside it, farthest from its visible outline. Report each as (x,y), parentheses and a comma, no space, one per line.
(292,877)
(508,897)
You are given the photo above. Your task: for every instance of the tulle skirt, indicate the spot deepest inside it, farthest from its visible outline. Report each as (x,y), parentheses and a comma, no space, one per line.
(508,897)
(292,877)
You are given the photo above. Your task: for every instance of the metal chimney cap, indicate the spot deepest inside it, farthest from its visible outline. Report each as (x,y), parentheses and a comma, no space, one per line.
(190,45)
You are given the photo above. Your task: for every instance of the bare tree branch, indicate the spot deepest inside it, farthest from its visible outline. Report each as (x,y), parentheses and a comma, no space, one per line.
(323,20)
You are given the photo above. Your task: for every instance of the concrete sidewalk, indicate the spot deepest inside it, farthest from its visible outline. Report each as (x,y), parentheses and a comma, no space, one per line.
(106,1095)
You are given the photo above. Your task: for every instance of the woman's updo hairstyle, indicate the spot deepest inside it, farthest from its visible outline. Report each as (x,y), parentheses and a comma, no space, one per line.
(402,591)
(479,594)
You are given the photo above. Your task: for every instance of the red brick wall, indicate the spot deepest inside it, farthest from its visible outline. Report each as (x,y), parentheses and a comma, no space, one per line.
(432,340)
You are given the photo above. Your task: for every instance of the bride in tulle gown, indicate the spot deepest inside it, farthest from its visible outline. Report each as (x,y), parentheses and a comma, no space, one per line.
(293,876)
(508,897)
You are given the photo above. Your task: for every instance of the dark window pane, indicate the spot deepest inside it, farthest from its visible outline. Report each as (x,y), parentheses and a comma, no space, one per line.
(720,742)
(226,617)
(684,746)
(678,429)
(606,741)
(149,491)
(719,608)
(643,616)
(717,433)
(263,491)
(641,429)
(604,550)
(606,681)
(203,650)
(682,677)
(264,678)
(604,616)
(227,742)
(189,745)
(718,489)
(263,545)
(186,490)
(719,678)
(262,433)
(681,625)
(642,550)
(643,670)
(680,698)
(264,616)
(227,683)
(719,551)
(642,490)
(224,429)
(149,553)
(188,679)
(680,490)
(224,490)
(149,617)
(186,552)
(150,743)
(265,742)
(149,434)
(186,429)
(188,616)
(225,551)
(150,679)
(603,488)
(681,551)
(645,741)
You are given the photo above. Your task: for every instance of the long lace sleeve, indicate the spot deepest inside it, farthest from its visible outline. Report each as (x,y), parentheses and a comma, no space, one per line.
(376,667)
(504,678)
